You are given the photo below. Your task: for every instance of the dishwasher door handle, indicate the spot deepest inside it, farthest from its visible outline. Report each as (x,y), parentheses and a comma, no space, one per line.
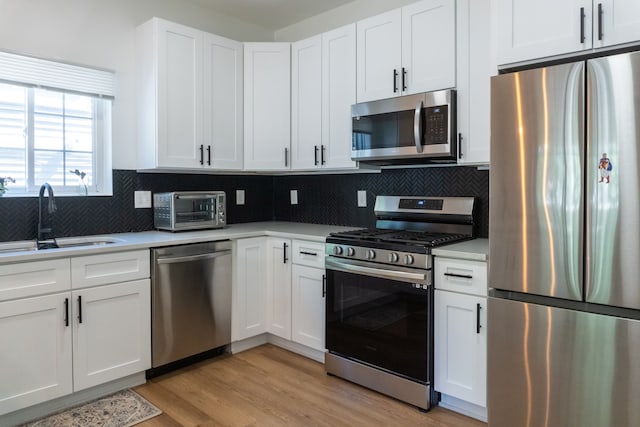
(174,260)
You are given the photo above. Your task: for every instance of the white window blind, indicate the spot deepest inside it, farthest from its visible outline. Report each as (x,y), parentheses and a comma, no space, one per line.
(43,73)
(55,126)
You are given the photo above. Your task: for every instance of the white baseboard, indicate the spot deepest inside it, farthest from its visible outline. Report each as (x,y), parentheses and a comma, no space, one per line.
(463,407)
(303,350)
(40,410)
(300,349)
(249,343)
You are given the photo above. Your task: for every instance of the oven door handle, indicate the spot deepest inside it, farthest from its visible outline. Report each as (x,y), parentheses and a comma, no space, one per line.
(404,276)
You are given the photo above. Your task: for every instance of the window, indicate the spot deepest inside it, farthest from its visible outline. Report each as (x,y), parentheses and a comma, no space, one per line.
(56,133)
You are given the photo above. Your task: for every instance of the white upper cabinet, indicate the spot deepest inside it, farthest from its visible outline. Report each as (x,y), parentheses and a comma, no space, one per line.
(267,106)
(473,75)
(189,98)
(535,29)
(407,50)
(222,97)
(338,94)
(306,103)
(428,46)
(531,30)
(323,88)
(170,95)
(616,22)
(379,56)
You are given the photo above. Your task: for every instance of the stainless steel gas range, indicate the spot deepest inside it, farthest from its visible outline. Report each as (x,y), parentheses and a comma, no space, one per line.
(379,306)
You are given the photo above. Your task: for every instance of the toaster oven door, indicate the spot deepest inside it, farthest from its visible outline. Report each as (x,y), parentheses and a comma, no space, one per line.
(195,211)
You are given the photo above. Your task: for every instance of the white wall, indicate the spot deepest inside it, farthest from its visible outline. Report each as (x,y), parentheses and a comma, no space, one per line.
(101,33)
(334,18)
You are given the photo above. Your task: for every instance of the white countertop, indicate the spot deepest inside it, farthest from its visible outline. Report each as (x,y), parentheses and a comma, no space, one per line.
(474,250)
(153,239)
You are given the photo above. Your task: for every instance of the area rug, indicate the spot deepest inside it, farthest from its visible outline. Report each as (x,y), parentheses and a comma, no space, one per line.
(122,409)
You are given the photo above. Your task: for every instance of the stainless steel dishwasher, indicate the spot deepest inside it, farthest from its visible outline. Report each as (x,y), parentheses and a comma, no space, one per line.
(190,300)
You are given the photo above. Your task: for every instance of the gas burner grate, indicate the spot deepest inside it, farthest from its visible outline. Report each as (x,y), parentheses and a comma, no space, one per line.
(424,238)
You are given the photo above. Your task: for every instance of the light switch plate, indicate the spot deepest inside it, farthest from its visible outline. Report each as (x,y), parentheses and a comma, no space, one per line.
(362,198)
(239,197)
(142,199)
(294,197)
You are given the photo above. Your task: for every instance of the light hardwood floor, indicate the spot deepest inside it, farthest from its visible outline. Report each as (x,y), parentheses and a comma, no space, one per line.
(270,386)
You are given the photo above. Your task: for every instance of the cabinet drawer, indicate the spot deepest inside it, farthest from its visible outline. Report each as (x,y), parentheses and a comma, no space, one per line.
(308,253)
(465,276)
(117,267)
(34,278)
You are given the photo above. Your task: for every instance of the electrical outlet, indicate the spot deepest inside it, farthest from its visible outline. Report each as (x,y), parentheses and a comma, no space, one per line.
(239,197)
(294,197)
(362,198)
(142,199)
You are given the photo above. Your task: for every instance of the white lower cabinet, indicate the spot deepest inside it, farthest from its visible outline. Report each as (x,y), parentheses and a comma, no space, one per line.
(460,338)
(308,306)
(64,342)
(249,311)
(111,332)
(279,289)
(461,346)
(35,355)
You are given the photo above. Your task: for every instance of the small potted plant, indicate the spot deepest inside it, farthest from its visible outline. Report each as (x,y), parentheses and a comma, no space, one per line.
(4,180)
(82,186)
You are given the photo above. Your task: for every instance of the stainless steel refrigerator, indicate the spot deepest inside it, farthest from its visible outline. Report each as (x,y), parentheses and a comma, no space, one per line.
(564,229)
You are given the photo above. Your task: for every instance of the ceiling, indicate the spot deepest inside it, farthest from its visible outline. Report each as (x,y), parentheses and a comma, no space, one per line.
(272,14)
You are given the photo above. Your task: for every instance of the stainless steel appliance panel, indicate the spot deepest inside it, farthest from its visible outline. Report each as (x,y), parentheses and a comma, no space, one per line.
(191,300)
(189,210)
(557,367)
(537,163)
(613,181)
(397,130)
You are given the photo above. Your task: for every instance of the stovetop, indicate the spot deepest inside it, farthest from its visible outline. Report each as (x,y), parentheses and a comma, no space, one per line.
(427,239)
(390,247)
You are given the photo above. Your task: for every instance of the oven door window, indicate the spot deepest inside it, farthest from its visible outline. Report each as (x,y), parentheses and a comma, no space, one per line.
(379,322)
(190,210)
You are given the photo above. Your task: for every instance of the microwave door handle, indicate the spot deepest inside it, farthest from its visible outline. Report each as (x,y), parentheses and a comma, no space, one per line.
(196,196)
(417,127)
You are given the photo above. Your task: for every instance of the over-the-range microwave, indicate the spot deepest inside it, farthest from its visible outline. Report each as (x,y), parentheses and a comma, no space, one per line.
(410,129)
(189,210)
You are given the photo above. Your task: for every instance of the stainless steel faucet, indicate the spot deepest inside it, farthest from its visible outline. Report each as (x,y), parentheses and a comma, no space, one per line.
(46,238)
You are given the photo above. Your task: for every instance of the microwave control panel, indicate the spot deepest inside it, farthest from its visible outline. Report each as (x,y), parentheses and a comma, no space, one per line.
(436,125)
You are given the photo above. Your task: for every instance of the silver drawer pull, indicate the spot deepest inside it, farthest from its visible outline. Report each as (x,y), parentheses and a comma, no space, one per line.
(308,253)
(462,276)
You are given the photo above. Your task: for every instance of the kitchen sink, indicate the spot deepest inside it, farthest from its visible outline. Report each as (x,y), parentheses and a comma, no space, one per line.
(72,242)
(67,242)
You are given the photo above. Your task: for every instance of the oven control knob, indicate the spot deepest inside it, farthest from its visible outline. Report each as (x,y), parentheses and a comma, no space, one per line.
(408,259)
(351,252)
(337,250)
(371,254)
(393,257)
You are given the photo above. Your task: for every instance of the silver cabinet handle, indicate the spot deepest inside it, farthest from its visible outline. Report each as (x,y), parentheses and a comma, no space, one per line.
(417,127)
(600,13)
(462,276)
(582,36)
(286,157)
(174,260)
